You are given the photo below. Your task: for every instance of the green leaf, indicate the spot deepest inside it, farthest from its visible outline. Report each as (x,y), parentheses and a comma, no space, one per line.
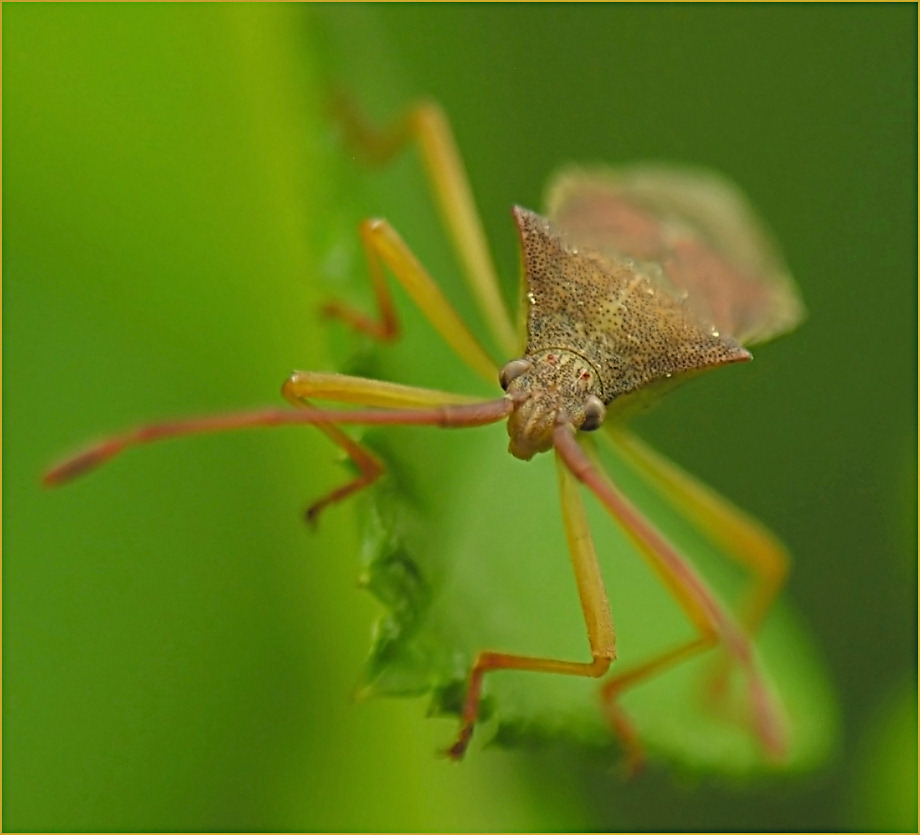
(466,549)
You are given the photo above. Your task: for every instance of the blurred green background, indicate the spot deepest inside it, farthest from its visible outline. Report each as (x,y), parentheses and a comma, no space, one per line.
(179,652)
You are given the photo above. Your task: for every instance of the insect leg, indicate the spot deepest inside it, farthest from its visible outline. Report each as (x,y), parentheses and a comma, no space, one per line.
(383,246)
(370,466)
(341,388)
(594,604)
(709,617)
(635,757)
(743,538)
(426,124)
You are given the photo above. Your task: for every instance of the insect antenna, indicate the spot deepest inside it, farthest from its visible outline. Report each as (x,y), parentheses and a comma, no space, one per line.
(447,415)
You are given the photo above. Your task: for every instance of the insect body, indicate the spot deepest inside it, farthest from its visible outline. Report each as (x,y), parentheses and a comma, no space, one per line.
(636,281)
(598,329)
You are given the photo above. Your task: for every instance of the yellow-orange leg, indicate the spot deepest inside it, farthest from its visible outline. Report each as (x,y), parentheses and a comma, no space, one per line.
(426,124)
(742,537)
(594,605)
(711,619)
(302,385)
(370,466)
(383,246)
(635,757)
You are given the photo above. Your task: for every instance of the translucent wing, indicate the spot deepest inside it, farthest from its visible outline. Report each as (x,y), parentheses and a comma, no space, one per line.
(712,248)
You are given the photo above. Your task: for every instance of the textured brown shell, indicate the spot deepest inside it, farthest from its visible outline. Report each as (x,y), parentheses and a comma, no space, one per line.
(612,310)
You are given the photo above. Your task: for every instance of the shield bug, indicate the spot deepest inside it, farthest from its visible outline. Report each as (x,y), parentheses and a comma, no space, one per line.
(634,281)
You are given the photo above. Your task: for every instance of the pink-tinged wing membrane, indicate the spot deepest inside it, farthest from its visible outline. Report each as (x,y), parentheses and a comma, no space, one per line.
(711,249)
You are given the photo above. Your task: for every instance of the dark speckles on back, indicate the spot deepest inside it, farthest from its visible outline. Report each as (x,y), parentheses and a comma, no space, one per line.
(612,311)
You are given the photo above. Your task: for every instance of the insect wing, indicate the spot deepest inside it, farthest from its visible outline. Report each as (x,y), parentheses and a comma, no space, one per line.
(711,247)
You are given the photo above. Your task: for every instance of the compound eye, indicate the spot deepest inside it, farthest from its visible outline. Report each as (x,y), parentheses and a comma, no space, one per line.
(512,370)
(595,412)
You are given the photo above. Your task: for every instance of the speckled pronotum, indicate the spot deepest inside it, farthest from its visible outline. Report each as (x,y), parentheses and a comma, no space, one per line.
(635,280)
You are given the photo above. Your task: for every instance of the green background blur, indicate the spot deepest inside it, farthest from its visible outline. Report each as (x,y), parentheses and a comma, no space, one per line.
(179,652)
